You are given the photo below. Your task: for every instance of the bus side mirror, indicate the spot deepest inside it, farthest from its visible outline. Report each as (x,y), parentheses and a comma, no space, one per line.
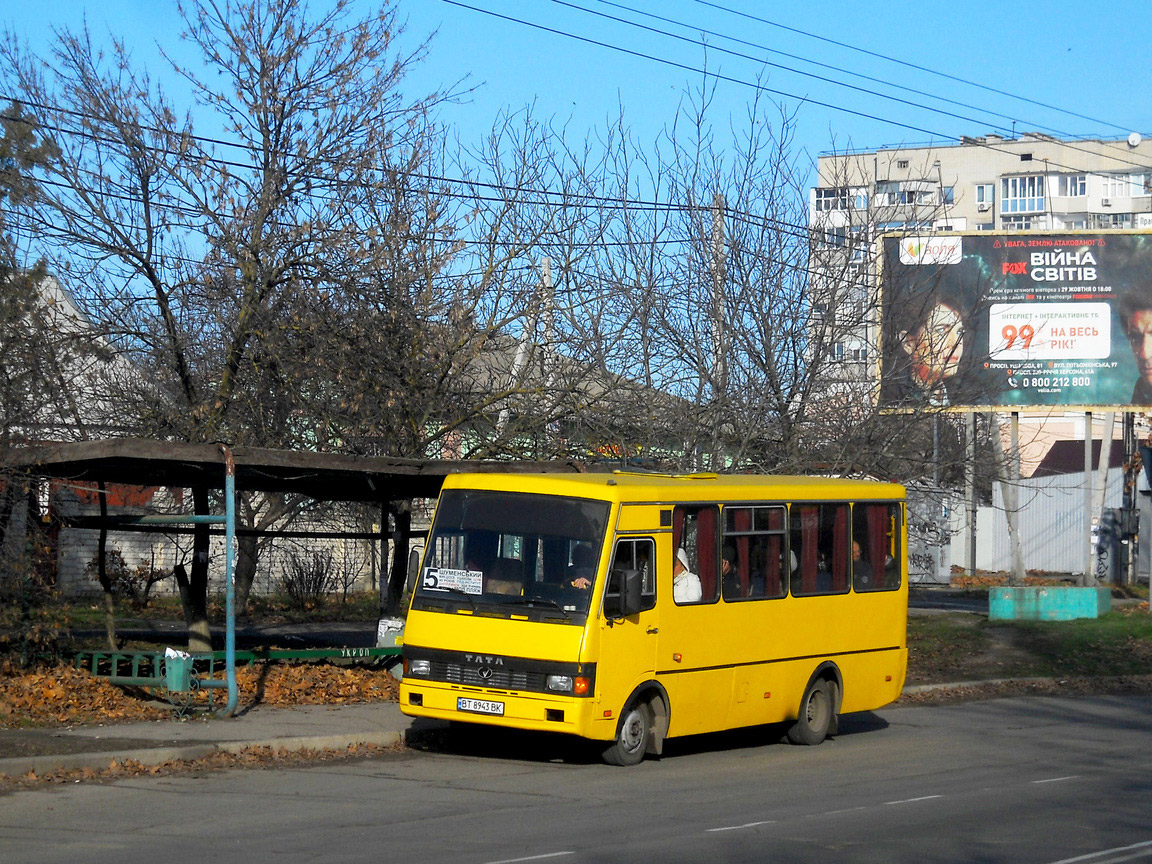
(629,600)
(633,592)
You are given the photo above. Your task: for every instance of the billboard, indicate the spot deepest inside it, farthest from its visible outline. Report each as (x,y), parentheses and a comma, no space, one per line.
(1016,320)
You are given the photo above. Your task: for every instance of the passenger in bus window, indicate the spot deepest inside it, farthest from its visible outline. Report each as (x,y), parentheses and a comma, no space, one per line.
(861,569)
(731,575)
(685,583)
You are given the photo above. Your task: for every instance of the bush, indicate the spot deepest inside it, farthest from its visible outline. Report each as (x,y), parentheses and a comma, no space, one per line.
(134,584)
(308,578)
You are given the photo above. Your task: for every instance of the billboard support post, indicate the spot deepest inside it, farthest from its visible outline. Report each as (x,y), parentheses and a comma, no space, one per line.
(1088,434)
(970,492)
(1008,468)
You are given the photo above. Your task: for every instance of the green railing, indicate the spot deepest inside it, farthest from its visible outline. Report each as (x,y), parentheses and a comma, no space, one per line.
(178,678)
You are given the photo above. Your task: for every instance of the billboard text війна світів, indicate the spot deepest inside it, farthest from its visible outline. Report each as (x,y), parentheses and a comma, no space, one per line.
(1016,320)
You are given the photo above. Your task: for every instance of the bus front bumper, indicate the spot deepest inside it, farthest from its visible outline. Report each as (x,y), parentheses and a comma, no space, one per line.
(535,711)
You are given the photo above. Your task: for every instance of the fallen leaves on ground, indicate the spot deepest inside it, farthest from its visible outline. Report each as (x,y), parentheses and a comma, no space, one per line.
(63,695)
(249,757)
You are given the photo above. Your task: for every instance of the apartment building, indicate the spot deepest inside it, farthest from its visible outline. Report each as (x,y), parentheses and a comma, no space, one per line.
(1031,183)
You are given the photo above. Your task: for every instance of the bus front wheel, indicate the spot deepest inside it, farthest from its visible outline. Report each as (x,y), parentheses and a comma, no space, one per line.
(632,736)
(816,715)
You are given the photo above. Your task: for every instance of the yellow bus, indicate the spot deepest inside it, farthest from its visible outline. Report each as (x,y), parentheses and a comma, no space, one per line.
(632,608)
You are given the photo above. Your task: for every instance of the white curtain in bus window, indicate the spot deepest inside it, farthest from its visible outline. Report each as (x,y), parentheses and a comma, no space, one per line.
(820,539)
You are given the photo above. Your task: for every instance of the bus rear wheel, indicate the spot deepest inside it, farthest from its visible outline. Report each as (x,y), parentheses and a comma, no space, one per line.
(632,736)
(816,715)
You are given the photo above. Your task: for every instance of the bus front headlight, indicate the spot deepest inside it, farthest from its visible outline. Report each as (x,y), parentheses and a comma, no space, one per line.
(560,683)
(418,667)
(577,685)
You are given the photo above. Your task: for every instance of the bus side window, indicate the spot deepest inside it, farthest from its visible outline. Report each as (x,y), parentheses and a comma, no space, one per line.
(696,530)
(821,541)
(634,554)
(876,547)
(754,537)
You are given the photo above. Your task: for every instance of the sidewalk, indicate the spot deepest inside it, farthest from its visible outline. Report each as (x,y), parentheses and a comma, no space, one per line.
(153,742)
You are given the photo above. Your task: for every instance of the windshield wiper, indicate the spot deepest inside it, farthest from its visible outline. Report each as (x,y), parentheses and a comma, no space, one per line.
(539,601)
(463,594)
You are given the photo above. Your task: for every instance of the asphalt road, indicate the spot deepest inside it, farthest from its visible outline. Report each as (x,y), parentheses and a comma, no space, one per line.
(1026,780)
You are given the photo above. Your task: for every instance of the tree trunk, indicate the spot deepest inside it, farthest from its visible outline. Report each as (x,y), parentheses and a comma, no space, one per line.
(102,569)
(194,596)
(245,571)
(402,521)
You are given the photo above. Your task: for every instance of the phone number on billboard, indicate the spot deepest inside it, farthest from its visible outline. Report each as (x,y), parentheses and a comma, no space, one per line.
(1049,381)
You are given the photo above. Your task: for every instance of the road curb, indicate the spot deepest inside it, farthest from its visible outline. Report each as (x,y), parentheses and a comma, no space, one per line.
(929,688)
(18,766)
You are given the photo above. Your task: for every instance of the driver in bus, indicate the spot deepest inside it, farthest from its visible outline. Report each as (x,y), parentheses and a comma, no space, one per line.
(583,561)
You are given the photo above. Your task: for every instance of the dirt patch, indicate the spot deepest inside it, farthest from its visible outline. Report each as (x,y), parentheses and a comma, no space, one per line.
(1124,685)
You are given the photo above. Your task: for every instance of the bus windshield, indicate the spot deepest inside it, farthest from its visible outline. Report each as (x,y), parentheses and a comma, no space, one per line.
(513,553)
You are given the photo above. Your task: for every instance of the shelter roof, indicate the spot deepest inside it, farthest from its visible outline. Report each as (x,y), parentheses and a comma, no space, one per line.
(322,476)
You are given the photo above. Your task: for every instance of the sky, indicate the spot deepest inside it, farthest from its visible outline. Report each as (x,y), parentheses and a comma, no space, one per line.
(1049,65)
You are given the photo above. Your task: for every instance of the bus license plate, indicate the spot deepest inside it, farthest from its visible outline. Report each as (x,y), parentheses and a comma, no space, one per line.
(479,706)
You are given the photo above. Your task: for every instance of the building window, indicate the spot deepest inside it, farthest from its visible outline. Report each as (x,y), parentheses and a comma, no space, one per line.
(860,200)
(984,226)
(828,199)
(1017,223)
(915,196)
(1022,194)
(1125,185)
(1073,185)
(984,193)
(948,195)
(1112,220)
(901,163)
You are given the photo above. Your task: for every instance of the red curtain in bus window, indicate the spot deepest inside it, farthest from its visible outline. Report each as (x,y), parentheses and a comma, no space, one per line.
(878,525)
(809,551)
(775,561)
(707,529)
(743,522)
(840,547)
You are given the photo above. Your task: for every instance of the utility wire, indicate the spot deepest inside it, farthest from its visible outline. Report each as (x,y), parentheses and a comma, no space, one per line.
(905,63)
(875,80)
(803,99)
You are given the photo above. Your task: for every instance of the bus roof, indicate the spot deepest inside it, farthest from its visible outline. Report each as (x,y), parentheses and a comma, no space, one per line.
(635,486)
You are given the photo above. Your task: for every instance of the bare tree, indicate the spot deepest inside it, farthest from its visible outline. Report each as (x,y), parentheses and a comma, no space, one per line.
(190,254)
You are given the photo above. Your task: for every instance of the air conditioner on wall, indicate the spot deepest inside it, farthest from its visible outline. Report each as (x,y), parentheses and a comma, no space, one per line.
(983,206)
(1105,202)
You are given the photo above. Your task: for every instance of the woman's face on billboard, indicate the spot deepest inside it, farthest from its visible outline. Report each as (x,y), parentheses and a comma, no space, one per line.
(937,346)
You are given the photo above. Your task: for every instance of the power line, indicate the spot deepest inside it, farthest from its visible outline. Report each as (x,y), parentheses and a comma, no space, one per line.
(904,63)
(701,44)
(803,99)
(692,69)
(875,80)
(547,196)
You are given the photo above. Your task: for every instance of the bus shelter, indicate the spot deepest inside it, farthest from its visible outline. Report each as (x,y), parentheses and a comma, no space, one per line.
(384,481)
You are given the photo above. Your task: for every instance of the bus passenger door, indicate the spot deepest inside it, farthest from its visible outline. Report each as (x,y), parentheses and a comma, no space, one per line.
(627,644)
